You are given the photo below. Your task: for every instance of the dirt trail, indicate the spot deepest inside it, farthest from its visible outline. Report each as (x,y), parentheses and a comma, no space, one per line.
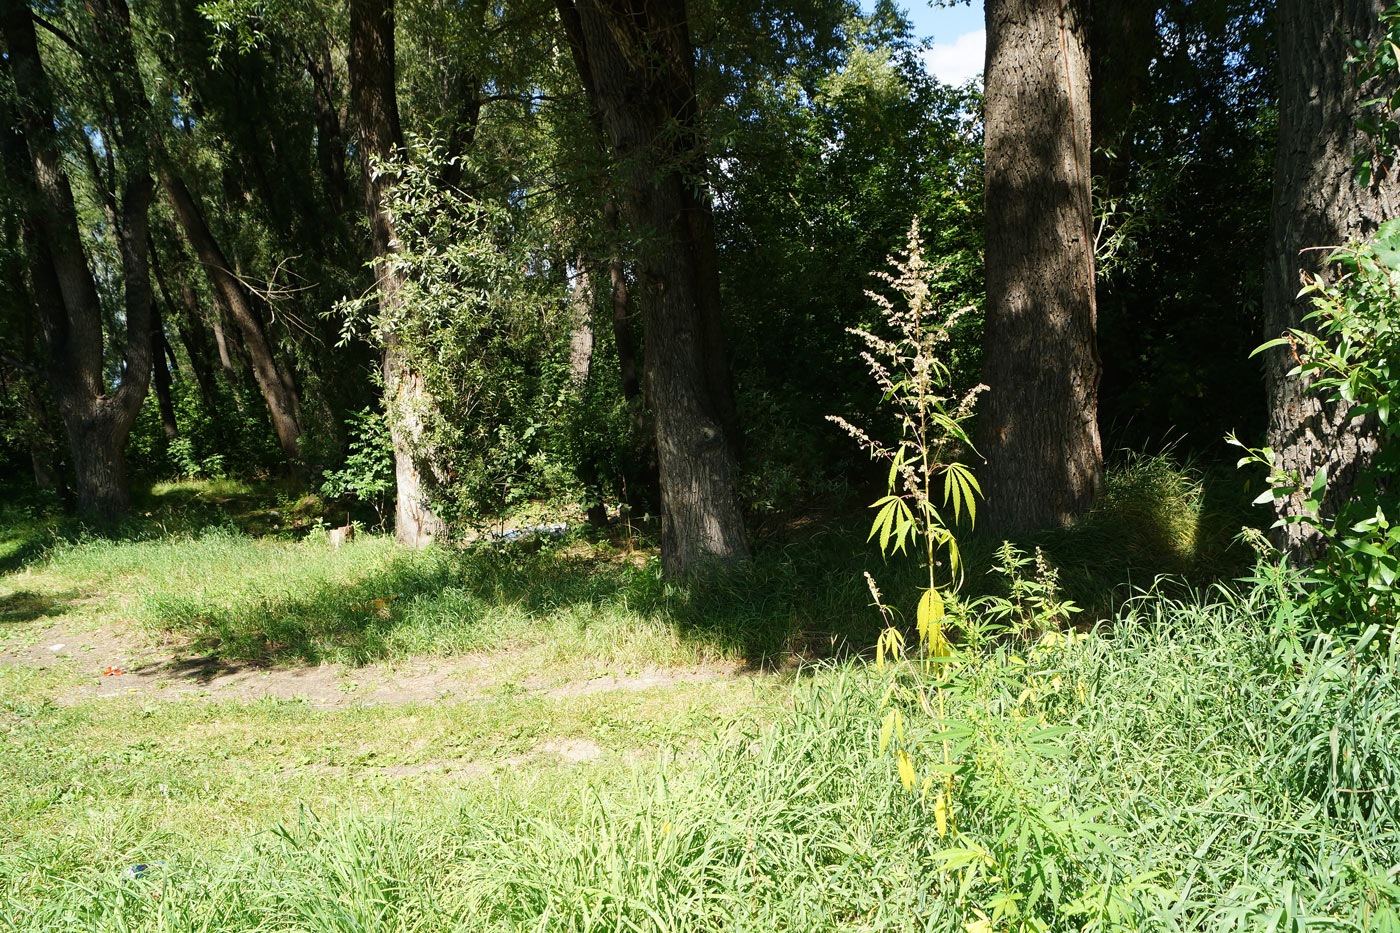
(114,662)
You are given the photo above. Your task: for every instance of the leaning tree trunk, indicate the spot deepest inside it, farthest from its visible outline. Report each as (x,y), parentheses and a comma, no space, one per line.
(161,355)
(636,62)
(283,403)
(189,338)
(1318,202)
(1039,421)
(407,401)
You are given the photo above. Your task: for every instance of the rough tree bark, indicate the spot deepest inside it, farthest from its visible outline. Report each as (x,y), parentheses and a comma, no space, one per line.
(1318,202)
(97,417)
(636,62)
(581,337)
(582,342)
(283,403)
(374,101)
(1038,423)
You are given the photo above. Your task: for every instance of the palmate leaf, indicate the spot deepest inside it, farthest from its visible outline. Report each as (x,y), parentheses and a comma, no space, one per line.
(894,522)
(961,490)
(930,612)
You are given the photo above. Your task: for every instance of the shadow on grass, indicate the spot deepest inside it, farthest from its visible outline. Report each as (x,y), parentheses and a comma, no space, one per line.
(321,620)
(32,523)
(804,593)
(21,546)
(1157,524)
(26,605)
(807,597)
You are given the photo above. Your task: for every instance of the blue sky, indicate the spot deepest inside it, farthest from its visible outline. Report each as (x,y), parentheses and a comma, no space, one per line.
(957,32)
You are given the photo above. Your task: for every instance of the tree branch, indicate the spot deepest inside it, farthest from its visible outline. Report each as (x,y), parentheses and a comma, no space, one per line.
(20,364)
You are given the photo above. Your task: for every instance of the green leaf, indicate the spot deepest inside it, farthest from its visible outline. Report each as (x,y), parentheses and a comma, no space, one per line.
(930,612)
(1386,244)
(1276,342)
(1319,485)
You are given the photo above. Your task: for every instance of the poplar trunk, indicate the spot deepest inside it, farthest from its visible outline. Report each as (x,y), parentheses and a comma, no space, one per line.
(1318,203)
(1038,423)
(406,398)
(636,62)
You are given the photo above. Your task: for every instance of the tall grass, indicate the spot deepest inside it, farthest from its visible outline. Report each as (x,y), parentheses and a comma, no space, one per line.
(1224,790)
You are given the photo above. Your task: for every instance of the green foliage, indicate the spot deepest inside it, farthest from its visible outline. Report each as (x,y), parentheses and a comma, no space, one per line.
(1157,524)
(1033,604)
(368,471)
(1348,355)
(237,438)
(827,143)
(484,324)
(1175,313)
(1339,725)
(1375,69)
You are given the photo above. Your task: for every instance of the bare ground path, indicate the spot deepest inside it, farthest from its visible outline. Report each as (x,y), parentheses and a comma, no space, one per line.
(116,661)
(105,714)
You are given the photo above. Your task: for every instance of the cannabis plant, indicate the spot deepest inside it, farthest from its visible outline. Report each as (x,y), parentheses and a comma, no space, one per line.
(926,480)
(926,483)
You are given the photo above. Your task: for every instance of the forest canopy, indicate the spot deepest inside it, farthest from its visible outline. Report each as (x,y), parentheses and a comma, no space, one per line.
(461,257)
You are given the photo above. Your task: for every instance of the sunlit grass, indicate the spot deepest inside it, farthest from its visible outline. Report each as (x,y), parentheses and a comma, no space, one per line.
(1184,740)
(1243,780)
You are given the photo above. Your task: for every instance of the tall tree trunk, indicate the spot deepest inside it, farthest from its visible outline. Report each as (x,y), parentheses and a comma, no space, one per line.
(195,349)
(582,340)
(1318,202)
(96,417)
(277,389)
(185,324)
(636,62)
(41,461)
(1038,423)
(330,142)
(581,337)
(406,399)
(221,342)
(160,353)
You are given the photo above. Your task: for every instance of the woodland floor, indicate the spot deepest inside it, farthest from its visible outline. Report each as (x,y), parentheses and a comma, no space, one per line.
(128,732)
(393,718)
(211,720)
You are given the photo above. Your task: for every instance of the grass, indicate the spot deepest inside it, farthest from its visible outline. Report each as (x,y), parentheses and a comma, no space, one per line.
(1191,764)
(1180,759)
(211,563)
